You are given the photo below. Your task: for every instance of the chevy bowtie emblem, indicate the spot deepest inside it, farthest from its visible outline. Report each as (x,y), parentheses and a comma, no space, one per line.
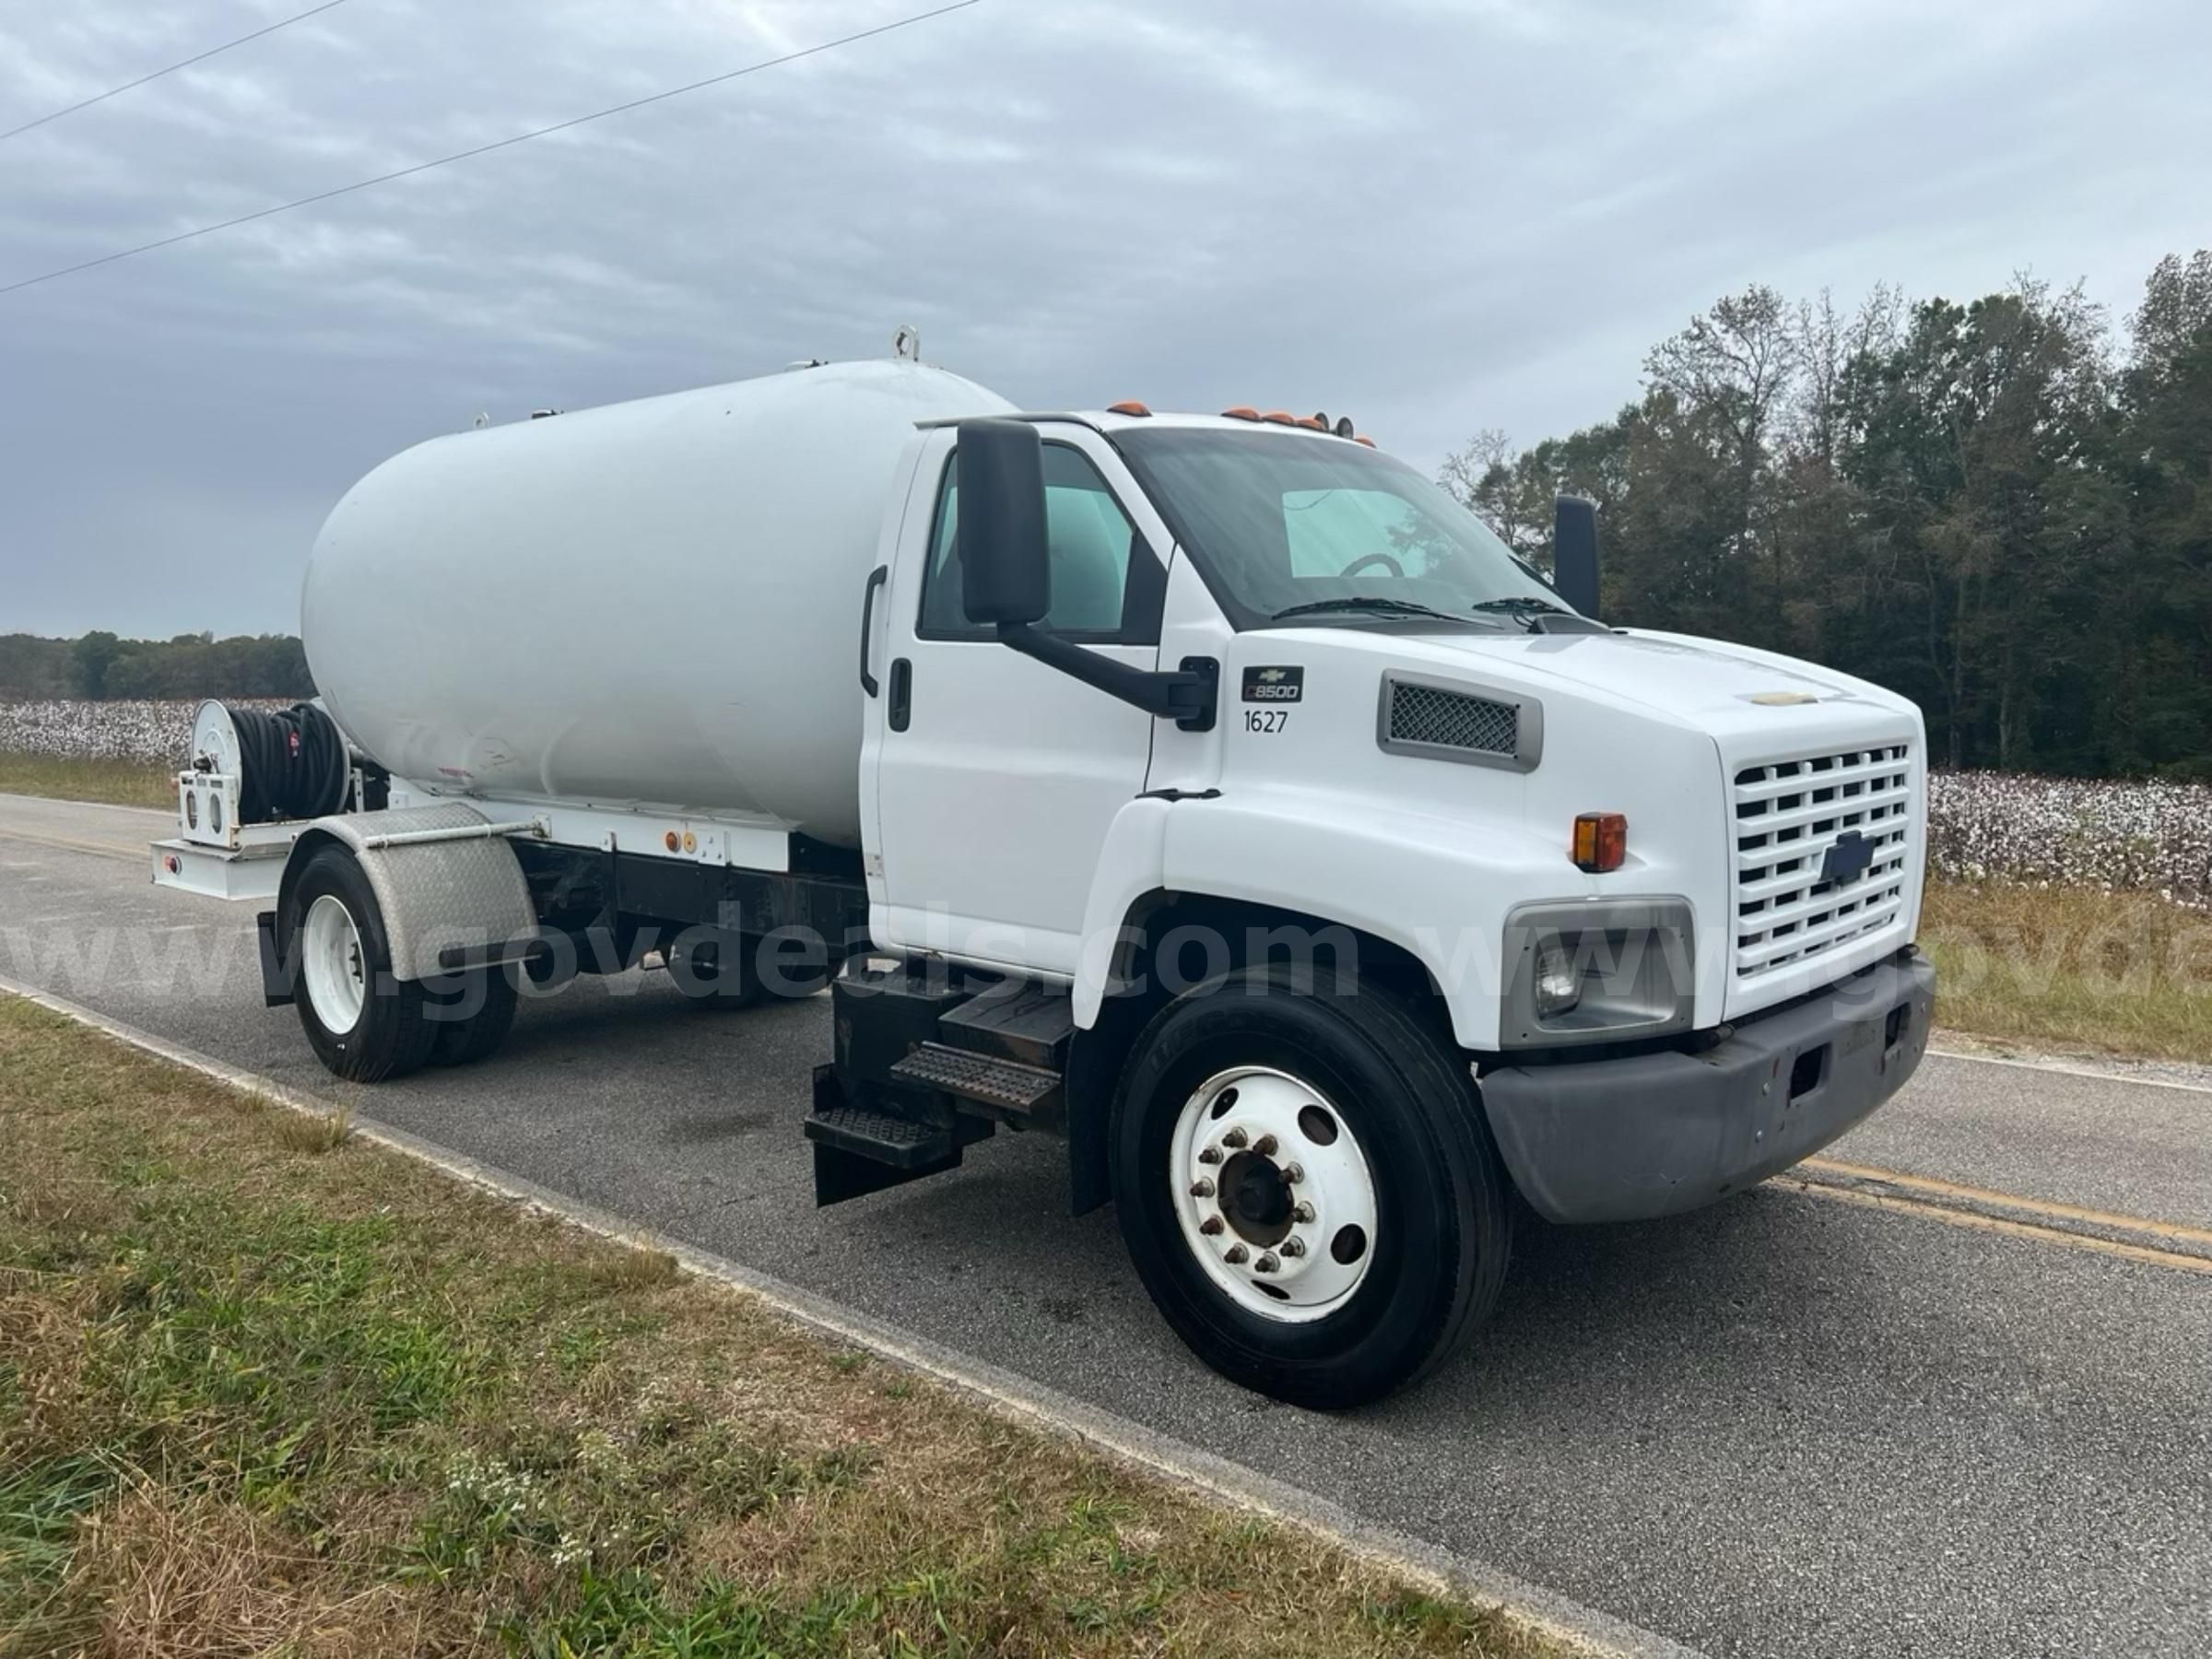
(1847,859)
(1272,676)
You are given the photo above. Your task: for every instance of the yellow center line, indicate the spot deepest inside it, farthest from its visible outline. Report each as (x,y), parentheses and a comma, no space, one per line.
(98,849)
(2176,1231)
(1997,1224)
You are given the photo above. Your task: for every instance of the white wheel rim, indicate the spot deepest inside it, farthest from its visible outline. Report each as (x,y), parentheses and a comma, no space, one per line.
(1249,1143)
(329,960)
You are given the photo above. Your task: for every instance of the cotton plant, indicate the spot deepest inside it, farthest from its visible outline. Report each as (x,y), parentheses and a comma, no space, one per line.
(2131,835)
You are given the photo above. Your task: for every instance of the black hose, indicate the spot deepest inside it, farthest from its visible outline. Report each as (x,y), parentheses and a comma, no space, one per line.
(291,765)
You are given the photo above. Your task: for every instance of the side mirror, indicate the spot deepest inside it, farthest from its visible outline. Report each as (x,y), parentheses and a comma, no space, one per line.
(1574,552)
(1005,575)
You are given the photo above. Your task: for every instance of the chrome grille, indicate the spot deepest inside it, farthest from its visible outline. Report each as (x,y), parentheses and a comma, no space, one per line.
(1788,815)
(1421,713)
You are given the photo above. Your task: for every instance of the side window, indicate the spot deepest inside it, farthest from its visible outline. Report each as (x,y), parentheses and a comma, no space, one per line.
(1107,584)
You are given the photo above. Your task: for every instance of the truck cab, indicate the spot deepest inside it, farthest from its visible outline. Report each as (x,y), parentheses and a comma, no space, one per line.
(1647,902)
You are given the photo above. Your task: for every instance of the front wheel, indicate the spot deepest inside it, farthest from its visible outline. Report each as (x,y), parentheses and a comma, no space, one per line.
(1306,1187)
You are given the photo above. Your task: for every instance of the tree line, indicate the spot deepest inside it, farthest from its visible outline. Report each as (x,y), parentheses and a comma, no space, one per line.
(100,666)
(1995,507)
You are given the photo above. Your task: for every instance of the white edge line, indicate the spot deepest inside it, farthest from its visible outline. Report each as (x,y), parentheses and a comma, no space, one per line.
(1540,1611)
(2072,1068)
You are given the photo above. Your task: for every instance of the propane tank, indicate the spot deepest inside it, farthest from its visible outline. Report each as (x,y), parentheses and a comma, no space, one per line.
(655,603)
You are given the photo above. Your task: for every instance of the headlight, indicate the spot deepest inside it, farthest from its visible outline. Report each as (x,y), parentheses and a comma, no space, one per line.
(1559,985)
(1604,970)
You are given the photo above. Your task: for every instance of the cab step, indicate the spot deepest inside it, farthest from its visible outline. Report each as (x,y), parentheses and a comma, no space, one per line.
(894,1141)
(1034,1026)
(859,1150)
(1018,1093)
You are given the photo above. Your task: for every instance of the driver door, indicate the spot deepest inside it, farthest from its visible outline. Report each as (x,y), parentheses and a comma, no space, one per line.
(996,777)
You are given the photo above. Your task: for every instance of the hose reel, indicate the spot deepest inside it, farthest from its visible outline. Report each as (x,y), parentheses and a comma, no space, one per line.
(291,764)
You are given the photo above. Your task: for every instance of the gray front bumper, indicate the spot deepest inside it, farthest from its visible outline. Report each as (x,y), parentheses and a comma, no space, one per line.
(1650,1135)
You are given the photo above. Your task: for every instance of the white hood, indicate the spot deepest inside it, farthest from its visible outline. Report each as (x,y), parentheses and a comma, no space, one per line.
(1735,692)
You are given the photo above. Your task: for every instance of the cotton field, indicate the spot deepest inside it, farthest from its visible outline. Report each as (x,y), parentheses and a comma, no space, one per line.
(2144,836)
(69,730)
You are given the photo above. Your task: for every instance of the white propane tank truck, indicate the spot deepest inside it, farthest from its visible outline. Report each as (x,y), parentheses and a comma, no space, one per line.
(1213,792)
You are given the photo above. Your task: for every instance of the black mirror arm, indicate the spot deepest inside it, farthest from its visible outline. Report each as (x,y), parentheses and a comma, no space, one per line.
(1185,697)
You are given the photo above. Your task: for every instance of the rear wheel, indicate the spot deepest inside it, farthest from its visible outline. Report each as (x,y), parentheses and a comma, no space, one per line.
(475,1035)
(1306,1187)
(715,972)
(364,1025)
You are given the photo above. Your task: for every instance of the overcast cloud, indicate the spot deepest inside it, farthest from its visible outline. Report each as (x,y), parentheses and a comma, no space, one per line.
(1436,216)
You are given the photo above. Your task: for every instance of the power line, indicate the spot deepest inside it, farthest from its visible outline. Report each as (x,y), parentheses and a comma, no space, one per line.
(200,58)
(485,149)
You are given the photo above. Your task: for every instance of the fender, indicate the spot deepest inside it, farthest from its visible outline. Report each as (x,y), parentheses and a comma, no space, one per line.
(1380,872)
(434,895)
(1131,863)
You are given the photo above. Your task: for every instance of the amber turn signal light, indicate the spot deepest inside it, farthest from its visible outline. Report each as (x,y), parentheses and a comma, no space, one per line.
(1601,841)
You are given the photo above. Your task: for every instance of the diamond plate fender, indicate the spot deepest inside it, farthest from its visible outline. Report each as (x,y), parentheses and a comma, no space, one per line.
(434,895)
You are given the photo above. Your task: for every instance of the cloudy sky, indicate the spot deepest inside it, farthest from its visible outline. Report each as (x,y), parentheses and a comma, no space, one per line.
(1437,214)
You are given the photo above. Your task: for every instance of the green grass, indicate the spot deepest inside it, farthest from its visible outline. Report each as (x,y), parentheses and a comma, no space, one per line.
(266,1387)
(121,783)
(2072,968)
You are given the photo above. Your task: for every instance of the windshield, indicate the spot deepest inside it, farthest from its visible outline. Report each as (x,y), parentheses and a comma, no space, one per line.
(1284,523)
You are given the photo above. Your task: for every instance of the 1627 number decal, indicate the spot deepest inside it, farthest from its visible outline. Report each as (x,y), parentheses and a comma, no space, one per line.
(1267,720)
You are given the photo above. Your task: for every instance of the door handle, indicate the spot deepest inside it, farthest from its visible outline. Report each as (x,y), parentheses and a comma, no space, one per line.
(902,694)
(876,578)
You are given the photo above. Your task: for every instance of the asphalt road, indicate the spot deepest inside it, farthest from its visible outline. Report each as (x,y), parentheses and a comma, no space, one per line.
(1951,1396)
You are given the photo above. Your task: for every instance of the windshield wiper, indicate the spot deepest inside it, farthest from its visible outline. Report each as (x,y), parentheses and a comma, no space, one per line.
(1520,605)
(1369,602)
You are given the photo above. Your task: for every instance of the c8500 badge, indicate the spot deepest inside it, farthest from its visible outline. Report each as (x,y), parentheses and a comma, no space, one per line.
(1278,685)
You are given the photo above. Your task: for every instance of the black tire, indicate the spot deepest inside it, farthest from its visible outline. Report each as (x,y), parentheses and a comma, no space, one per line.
(1443,1227)
(466,1041)
(714,974)
(392,1034)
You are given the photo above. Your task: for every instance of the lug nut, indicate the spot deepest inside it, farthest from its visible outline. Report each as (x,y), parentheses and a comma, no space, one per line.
(1212,1155)
(1265,1145)
(1293,1246)
(1302,1211)
(1202,1188)
(1233,1139)
(1235,1254)
(1294,1174)
(1210,1225)
(1266,1263)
